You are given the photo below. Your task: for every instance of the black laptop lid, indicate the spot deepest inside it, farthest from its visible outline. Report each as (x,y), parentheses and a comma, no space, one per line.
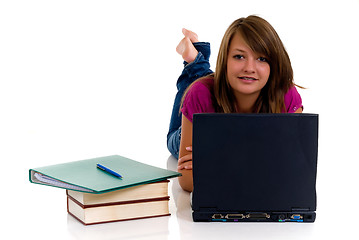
(254,162)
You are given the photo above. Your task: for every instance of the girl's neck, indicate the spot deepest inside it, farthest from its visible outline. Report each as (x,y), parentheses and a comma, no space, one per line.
(245,103)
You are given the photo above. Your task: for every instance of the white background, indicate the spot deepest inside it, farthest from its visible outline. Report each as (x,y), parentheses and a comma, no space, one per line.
(84,79)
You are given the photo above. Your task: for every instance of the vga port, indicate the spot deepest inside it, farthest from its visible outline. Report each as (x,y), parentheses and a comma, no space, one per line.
(296,216)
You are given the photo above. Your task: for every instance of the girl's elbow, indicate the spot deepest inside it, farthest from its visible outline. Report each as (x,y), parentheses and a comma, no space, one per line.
(186,180)
(187,187)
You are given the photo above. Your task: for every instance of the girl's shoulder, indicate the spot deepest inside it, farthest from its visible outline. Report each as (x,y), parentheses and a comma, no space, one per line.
(199,98)
(292,100)
(203,84)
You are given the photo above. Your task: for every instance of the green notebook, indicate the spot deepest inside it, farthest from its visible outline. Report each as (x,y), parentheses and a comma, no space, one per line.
(84,176)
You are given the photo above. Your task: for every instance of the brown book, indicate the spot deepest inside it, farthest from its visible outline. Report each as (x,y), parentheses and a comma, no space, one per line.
(144,201)
(144,191)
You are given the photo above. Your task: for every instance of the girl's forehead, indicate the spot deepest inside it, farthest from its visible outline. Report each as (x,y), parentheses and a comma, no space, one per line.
(238,43)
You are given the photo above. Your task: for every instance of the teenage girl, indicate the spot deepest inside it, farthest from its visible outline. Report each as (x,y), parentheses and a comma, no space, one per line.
(253,75)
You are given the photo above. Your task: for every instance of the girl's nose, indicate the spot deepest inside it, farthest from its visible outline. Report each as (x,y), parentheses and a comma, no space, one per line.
(249,66)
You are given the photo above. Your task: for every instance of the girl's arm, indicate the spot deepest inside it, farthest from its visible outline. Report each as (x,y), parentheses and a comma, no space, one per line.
(185,156)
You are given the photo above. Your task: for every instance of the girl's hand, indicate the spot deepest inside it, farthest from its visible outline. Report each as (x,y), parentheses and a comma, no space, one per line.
(185,162)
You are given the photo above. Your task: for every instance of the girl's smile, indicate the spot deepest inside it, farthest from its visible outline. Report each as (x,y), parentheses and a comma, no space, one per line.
(247,79)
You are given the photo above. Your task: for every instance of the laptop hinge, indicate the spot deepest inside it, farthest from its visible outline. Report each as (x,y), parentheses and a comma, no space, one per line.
(207,209)
(300,209)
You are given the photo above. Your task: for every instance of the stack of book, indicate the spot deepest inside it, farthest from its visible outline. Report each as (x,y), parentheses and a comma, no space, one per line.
(144,201)
(94,196)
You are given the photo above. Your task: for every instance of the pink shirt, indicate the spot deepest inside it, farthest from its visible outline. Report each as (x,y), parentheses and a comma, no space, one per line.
(200,98)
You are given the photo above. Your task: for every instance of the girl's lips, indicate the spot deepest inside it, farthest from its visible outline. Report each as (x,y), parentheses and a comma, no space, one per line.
(248,79)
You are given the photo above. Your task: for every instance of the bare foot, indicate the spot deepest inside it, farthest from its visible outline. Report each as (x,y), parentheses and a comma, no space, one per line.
(191,35)
(185,48)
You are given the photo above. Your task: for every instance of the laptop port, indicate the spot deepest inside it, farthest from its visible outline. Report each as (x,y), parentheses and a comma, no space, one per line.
(257,216)
(217,216)
(296,216)
(235,216)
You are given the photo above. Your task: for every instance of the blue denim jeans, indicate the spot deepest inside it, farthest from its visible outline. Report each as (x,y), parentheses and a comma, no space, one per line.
(198,68)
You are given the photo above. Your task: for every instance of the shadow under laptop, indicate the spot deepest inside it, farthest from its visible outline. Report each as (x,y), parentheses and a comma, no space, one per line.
(216,230)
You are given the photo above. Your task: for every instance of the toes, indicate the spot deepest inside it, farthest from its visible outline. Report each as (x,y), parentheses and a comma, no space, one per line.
(191,35)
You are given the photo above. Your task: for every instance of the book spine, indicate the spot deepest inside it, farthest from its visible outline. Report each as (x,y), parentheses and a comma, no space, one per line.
(116,220)
(86,224)
(167,198)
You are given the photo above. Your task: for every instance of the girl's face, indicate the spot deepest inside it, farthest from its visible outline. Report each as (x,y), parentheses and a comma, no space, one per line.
(247,71)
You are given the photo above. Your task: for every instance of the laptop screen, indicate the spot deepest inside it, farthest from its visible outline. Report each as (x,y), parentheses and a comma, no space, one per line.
(254,162)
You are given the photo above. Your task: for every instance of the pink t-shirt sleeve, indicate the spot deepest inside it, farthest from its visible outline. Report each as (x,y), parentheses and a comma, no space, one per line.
(292,100)
(197,100)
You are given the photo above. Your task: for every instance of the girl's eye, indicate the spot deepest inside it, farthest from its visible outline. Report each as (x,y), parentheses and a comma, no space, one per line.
(238,56)
(262,59)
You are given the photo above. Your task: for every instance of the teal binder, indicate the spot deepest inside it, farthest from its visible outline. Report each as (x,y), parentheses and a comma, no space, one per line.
(84,176)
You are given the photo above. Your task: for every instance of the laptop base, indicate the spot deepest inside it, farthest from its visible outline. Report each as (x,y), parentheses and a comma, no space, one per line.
(254,217)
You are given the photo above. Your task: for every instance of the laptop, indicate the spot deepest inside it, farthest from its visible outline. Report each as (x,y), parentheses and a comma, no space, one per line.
(254,167)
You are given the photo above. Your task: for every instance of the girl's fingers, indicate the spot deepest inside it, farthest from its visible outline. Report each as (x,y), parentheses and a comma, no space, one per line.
(185,162)
(185,158)
(186,165)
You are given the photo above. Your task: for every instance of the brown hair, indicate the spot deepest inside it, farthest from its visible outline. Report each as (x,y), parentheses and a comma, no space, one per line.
(263,39)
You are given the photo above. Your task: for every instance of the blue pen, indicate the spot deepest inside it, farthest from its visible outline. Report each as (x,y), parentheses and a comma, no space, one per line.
(103,168)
